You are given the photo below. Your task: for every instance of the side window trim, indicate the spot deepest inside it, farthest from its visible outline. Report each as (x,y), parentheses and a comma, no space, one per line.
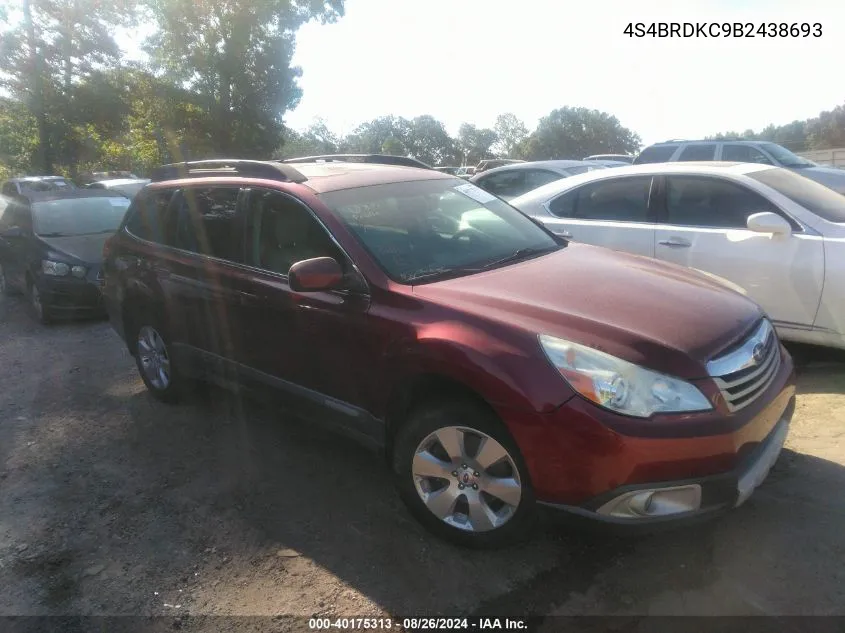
(248,194)
(663,204)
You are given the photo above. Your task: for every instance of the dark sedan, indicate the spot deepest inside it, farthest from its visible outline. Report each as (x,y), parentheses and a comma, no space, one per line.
(51,248)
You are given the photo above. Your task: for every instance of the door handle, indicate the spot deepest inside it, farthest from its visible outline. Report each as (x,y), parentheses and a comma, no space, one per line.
(676,242)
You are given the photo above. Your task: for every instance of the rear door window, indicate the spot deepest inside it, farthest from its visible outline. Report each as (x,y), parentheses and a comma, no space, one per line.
(698,151)
(616,200)
(535,178)
(655,154)
(207,222)
(510,183)
(148,216)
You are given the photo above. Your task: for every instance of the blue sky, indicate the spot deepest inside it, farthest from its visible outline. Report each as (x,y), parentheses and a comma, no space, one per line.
(469,60)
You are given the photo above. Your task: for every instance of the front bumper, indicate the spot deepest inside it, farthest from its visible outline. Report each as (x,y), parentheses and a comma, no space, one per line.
(717,493)
(70,297)
(581,457)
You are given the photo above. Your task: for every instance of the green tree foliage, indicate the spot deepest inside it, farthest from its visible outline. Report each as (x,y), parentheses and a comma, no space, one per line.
(45,59)
(577,132)
(236,55)
(315,140)
(475,143)
(511,133)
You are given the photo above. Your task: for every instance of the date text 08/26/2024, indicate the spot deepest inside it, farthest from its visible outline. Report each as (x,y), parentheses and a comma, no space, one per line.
(419,624)
(723,29)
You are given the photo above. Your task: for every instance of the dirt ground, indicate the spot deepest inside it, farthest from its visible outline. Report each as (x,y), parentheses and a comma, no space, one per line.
(112,503)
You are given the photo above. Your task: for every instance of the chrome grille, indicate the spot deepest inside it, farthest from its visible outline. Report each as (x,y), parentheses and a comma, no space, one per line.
(744,374)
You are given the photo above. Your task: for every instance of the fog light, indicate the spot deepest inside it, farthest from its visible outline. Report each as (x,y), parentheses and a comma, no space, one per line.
(642,504)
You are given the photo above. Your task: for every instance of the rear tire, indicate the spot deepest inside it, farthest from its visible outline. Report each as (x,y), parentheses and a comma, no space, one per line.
(462,476)
(155,362)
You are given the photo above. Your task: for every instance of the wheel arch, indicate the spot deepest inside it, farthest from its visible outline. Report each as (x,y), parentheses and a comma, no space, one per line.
(425,388)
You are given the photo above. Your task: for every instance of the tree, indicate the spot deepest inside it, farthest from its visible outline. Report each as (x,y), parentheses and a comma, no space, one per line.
(58,45)
(511,133)
(577,132)
(475,143)
(827,130)
(315,140)
(236,54)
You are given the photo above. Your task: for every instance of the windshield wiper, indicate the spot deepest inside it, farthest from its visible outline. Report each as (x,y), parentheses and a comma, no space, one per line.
(53,234)
(517,254)
(440,273)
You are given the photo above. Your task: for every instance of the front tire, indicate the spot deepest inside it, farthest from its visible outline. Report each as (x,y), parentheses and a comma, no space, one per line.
(38,308)
(5,287)
(462,476)
(153,357)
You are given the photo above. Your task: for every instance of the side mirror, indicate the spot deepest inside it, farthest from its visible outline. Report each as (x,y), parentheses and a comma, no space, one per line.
(14,231)
(314,275)
(768,222)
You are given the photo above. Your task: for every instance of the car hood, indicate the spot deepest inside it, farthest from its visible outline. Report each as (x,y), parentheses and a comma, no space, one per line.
(86,248)
(658,315)
(828,176)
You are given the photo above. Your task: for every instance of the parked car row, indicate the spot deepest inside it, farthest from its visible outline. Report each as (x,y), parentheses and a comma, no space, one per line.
(500,366)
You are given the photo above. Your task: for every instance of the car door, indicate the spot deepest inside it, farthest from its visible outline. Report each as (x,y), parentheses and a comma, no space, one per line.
(206,280)
(314,345)
(703,224)
(15,242)
(614,212)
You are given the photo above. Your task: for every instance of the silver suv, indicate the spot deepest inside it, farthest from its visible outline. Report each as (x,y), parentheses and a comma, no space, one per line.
(739,151)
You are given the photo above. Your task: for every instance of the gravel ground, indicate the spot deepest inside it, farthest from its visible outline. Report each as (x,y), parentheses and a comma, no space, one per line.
(112,503)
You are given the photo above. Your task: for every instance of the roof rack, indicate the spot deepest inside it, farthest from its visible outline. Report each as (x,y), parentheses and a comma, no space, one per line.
(270,170)
(379,159)
(706,140)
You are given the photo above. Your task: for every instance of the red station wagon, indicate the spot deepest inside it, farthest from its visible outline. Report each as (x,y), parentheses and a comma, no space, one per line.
(499,367)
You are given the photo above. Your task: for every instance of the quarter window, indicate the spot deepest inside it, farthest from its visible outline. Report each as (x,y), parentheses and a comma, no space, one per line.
(617,200)
(206,222)
(698,151)
(711,202)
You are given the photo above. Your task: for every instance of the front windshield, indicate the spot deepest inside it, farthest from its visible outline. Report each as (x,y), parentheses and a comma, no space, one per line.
(823,201)
(432,229)
(785,157)
(78,216)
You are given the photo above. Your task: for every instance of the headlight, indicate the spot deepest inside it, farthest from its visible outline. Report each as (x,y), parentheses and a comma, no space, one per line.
(57,269)
(619,385)
(78,271)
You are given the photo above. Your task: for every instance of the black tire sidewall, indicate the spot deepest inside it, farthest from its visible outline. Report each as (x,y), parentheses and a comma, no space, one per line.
(44,316)
(470,415)
(174,390)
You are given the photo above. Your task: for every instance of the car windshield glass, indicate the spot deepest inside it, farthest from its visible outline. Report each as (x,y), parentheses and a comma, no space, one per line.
(78,216)
(785,157)
(824,202)
(435,229)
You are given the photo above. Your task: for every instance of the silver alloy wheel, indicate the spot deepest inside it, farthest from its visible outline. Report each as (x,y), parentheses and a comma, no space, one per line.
(467,479)
(35,300)
(155,360)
